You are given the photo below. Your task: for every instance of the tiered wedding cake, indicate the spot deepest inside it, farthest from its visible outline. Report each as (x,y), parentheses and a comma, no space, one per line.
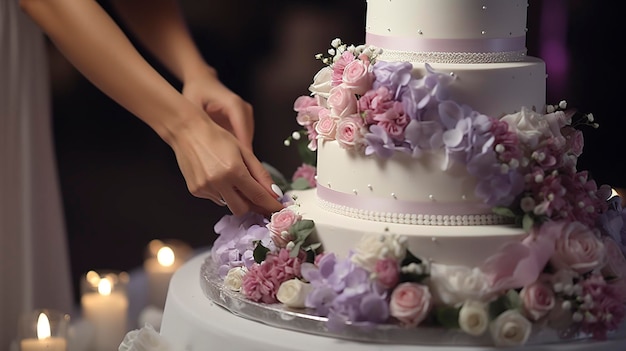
(446,207)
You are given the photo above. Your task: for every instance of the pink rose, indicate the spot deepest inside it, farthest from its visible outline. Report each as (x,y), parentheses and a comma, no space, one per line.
(357,77)
(616,262)
(307,172)
(342,102)
(578,248)
(349,132)
(307,116)
(279,225)
(410,303)
(326,127)
(387,272)
(303,102)
(538,299)
(339,66)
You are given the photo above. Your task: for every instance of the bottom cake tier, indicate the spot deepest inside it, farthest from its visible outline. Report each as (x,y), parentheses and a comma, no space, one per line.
(201,315)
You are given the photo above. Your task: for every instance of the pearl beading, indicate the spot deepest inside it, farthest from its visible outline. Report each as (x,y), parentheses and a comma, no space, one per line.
(412,218)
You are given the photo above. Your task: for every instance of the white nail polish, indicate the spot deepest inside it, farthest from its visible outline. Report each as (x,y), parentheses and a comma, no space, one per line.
(277,191)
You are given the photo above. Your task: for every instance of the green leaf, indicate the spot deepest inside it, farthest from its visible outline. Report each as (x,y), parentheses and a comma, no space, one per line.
(306,155)
(504,211)
(295,250)
(278,178)
(301,229)
(497,306)
(300,184)
(514,301)
(527,222)
(260,252)
(509,301)
(448,316)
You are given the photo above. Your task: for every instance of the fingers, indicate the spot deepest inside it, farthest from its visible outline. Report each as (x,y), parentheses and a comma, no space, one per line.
(259,188)
(240,116)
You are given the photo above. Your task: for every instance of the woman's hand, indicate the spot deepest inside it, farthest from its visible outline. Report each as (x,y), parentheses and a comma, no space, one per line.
(225,108)
(217,167)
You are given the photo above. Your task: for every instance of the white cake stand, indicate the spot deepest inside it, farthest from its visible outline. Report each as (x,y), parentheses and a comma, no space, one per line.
(192,321)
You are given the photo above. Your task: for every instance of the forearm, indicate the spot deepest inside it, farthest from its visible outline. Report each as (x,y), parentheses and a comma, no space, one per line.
(97,47)
(160,27)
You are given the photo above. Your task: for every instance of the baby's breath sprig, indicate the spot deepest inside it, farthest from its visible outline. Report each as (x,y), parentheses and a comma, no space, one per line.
(295,136)
(338,47)
(301,140)
(578,118)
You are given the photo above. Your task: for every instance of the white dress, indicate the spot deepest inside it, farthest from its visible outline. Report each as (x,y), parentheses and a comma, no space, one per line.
(34,262)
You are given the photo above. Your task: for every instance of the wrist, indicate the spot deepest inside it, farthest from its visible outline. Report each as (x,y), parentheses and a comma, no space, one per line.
(202,69)
(183,119)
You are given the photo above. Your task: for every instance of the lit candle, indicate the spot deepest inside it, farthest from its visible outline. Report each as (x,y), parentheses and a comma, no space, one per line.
(105,305)
(163,259)
(44,340)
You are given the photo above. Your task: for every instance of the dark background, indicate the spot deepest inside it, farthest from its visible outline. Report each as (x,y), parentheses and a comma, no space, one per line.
(121,184)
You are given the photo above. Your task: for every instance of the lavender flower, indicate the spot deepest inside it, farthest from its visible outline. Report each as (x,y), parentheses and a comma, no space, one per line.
(235,244)
(379,142)
(612,222)
(392,75)
(343,291)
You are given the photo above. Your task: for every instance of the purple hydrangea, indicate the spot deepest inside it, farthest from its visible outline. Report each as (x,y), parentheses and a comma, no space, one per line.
(237,236)
(343,291)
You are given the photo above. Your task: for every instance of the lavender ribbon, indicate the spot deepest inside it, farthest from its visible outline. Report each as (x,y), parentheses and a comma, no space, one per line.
(382,205)
(412,44)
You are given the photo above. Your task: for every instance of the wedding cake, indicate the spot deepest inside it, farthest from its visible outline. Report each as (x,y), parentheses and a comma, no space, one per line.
(443,205)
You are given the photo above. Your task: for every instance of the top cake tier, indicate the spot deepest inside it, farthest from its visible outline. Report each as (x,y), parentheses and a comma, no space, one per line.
(448,31)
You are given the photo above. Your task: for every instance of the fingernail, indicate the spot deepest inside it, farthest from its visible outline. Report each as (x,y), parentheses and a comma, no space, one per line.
(277,191)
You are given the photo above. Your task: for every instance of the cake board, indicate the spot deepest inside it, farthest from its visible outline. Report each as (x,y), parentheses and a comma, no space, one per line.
(194,322)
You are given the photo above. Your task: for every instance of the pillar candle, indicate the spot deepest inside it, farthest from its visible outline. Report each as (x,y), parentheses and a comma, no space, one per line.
(162,260)
(39,335)
(105,305)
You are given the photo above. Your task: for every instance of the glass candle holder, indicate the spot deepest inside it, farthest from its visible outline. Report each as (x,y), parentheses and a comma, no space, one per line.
(104,303)
(43,329)
(163,258)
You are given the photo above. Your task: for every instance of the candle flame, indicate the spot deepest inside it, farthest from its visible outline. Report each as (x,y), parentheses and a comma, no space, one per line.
(104,287)
(43,326)
(165,256)
(92,278)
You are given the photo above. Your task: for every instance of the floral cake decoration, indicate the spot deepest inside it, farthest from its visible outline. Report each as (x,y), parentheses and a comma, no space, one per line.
(568,274)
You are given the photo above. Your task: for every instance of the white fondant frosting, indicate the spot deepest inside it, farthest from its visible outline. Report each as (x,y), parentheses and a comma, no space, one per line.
(496,89)
(489,30)
(455,245)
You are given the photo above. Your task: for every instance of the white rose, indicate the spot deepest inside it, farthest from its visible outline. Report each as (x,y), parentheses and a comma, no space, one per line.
(234,278)
(453,285)
(473,317)
(322,82)
(293,292)
(144,339)
(510,329)
(529,125)
(374,247)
